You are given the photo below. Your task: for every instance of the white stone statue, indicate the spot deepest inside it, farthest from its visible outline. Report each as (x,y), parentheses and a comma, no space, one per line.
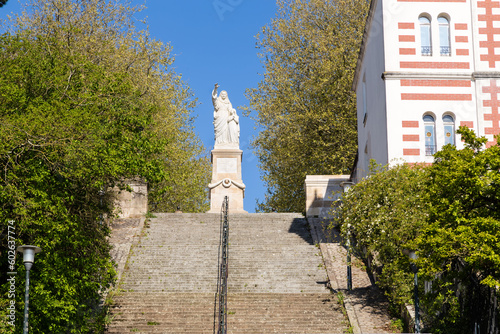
(226,121)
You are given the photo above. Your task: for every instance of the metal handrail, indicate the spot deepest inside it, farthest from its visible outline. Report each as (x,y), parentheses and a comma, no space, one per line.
(445,50)
(430,149)
(223,261)
(426,50)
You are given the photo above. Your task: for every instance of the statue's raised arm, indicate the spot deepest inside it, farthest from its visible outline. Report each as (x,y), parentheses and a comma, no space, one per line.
(214,95)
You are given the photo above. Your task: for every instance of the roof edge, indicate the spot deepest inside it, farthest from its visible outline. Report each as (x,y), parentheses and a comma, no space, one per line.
(361,54)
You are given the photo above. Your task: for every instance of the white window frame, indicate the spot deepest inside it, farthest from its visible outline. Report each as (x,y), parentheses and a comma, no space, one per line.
(425,22)
(444,43)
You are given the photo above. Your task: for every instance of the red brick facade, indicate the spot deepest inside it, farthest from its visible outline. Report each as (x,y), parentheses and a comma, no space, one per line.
(469,124)
(411,138)
(407,51)
(410,124)
(492,104)
(490,31)
(435,83)
(411,151)
(434,64)
(407,38)
(440,62)
(435,97)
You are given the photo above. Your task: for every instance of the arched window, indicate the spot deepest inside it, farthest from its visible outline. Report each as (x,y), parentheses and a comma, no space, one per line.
(444,36)
(425,36)
(449,129)
(430,135)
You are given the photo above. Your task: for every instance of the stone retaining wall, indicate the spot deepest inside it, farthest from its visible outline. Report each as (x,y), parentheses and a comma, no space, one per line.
(322,191)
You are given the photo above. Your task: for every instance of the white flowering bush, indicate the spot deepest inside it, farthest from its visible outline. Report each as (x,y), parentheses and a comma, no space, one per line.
(382,215)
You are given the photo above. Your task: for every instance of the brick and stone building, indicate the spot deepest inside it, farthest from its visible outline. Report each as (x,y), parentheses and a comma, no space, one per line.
(425,68)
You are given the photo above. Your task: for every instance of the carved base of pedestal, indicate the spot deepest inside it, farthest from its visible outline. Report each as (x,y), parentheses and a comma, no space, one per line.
(226,180)
(235,196)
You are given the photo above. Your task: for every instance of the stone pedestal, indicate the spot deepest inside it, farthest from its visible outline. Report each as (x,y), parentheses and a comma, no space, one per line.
(226,179)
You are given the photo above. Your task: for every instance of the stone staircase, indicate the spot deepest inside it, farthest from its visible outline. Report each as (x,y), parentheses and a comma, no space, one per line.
(277,282)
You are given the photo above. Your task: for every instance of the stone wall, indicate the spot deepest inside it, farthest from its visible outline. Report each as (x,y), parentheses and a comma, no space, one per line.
(321,192)
(132,204)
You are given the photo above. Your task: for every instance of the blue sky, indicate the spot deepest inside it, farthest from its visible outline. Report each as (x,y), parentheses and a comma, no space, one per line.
(213,41)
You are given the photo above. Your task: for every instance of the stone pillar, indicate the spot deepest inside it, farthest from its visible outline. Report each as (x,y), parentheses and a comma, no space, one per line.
(132,204)
(322,191)
(226,180)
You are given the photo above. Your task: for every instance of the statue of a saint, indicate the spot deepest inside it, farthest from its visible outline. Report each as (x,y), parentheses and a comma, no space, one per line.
(226,121)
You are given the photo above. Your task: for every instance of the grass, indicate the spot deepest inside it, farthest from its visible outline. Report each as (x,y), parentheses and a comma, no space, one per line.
(397,325)
(111,294)
(341,301)
(358,264)
(149,214)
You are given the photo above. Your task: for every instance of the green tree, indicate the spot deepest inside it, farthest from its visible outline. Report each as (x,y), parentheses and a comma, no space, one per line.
(105,34)
(186,186)
(448,212)
(304,104)
(87,100)
(460,246)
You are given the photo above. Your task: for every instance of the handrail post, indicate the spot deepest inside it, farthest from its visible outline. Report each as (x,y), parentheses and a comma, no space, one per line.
(223,274)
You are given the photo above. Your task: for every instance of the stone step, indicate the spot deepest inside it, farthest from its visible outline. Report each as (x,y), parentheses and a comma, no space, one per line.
(276,283)
(247,313)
